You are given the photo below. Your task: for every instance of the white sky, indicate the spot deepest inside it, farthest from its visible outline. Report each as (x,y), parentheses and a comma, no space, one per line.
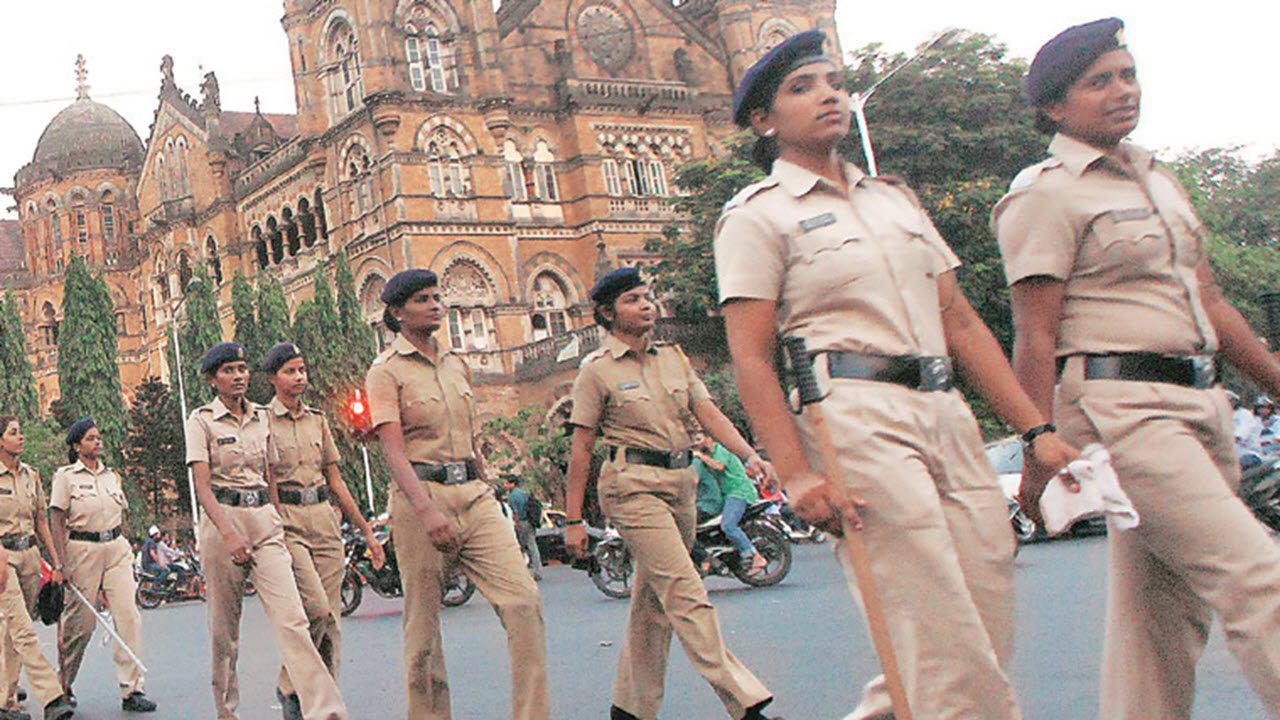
(1206,73)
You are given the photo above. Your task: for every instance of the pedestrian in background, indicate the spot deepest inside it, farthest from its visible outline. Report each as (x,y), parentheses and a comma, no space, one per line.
(441,506)
(527,513)
(852,265)
(1115,304)
(309,486)
(86,510)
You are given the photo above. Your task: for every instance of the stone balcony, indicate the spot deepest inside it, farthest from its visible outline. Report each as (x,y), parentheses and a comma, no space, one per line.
(639,95)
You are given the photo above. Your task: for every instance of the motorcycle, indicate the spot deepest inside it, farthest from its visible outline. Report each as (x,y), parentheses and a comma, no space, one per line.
(611,567)
(1024,528)
(796,530)
(1260,491)
(185,582)
(456,590)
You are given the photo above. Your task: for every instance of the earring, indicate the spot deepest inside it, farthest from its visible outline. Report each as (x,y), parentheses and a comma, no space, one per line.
(770,132)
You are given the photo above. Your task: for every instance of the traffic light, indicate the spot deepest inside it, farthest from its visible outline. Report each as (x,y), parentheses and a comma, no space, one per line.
(358,414)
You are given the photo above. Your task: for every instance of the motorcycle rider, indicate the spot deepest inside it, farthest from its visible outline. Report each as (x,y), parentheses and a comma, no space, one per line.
(86,512)
(1247,431)
(638,394)
(308,484)
(154,562)
(737,494)
(1265,410)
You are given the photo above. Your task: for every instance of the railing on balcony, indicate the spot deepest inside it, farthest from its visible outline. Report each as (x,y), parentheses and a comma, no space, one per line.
(605,91)
(643,208)
(535,360)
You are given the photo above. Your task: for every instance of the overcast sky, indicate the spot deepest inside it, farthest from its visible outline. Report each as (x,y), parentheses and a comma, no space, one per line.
(1207,75)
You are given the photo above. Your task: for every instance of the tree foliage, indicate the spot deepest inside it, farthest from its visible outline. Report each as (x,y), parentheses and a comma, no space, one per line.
(198,331)
(17,384)
(155,458)
(88,377)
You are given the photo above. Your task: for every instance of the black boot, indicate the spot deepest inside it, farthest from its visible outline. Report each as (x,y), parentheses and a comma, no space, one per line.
(138,702)
(290,705)
(756,712)
(617,713)
(59,709)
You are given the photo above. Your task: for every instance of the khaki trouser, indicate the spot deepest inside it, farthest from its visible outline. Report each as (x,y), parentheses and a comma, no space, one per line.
(272,573)
(100,568)
(491,558)
(21,646)
(314,539)
(1198,549)
(937,528)
(653,510)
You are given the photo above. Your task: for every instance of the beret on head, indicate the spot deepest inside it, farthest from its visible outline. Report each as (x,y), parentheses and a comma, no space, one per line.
(1065,58)
(405,283)
(608,288)
(277,356)
(77,431)
(220,355)
(761,80)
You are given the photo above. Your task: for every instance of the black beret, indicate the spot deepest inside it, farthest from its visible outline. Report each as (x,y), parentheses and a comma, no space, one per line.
(762,79)
(1065,58)
(76,432)
(614,283)
(50,603)
(405,283)
(220,355)
(277,356)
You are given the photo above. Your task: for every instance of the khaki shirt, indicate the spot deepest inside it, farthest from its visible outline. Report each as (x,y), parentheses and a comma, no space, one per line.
(93,501)
(850,271)
(21,498)
(1125,241)
(640,400)
(237,450)
(431,398)
(304,445)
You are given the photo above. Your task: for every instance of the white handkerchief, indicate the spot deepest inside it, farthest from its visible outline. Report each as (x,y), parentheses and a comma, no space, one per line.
(1100,494)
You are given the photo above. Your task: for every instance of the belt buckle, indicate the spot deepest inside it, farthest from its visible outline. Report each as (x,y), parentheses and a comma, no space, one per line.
(1204,371)
(678,459)
(935,373)
(455,473)
(249,499)
(310,496)
(104,535)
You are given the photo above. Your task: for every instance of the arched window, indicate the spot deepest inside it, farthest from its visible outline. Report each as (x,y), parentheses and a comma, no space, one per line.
(276,240)
(292,241)
(470,298)
(322,223)
(358,173)
(162,175)
(48,324)
(108,211)
(122,327)
(431,58)
(445,169)
(184,272)
(371,304)
(182,184)
(544,174)
(513,180)
(260,246)
(549,315)
(215,263)
(345,80)
(308,222)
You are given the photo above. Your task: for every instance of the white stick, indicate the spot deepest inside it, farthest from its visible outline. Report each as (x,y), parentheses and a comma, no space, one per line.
(107,625)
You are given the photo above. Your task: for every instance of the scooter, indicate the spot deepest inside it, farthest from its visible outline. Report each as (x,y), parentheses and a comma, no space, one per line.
(456,590)
(1260,491)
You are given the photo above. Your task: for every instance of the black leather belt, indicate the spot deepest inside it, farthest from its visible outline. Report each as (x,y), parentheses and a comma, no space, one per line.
(918,372)
(241,498)
(98,537)
(304,496)
(17,541)
(1196,371)
(669,459)
(450,473)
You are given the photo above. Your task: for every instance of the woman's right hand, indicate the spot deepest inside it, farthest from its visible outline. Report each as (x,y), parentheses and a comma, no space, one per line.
(439,530)
(818,503)
(237,547)
(575,540)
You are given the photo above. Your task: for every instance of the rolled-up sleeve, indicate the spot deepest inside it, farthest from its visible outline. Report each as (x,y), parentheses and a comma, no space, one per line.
(750,257)
(1036,236)
(588,399)
(197,437)
(384,395)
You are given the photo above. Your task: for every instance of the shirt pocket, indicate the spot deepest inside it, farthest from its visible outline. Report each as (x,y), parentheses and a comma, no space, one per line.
(1135,241)
(631,407)
(830,257)
(422,408)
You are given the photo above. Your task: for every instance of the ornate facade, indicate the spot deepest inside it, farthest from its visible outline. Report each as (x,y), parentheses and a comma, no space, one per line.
(516,151)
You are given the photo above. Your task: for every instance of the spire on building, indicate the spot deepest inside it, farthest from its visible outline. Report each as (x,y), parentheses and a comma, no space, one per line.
(82,79)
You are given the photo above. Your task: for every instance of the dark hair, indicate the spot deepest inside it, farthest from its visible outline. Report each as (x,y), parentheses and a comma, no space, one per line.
(1045,124)
(389,320)
(764,152)
(600,318)
(513,479)
(5,421)
(72,455)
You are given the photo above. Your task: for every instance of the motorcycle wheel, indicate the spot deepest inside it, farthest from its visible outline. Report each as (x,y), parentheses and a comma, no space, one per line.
(147,598)
(773,545)
(458,590)
(612,571)
(352,592)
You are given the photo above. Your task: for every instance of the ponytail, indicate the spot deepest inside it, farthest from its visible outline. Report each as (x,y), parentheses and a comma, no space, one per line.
(764,152)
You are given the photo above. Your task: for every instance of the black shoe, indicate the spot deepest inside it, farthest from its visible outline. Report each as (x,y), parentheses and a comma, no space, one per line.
(71,698)
(290,705)
(14,715)
(137,702)
(59,709)
(617,713)
(22,694)
(756,712)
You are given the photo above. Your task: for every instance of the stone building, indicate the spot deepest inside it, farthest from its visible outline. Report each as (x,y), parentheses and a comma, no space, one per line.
(516,150)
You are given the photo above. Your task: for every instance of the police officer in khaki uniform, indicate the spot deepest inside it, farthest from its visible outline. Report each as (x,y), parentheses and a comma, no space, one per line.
(241,536)
(853,265)
(86,510)
(309,485)
(641,395)
(22,520)
(442,510)
(1114,302)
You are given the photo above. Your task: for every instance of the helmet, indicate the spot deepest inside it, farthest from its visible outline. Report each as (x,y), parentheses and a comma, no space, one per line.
(1263,401)
(153,531)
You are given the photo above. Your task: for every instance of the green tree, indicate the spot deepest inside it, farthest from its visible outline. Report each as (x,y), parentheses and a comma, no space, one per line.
(198,331)
(358,342)
(273,312)
(45,448)
(88,376)
(532,446)
(154,458)
(17,384)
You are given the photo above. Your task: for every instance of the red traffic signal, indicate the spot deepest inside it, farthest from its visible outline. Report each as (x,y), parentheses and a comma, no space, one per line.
(358,412)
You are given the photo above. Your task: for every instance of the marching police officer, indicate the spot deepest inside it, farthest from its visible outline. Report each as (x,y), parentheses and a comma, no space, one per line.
(442,509)
(22,520)
(1115,303)
(229,450)
(853,265)
(86,509)
(641,396)
(307,482)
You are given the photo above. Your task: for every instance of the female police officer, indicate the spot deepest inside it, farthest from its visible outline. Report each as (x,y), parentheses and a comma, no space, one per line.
(228,449)
(22,520)
(86,509)
(852,265)
(1115,301)
(424,413)
(639,395)
(307,481)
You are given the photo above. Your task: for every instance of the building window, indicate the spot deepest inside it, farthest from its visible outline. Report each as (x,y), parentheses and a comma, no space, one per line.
(445,170)
(57,230)
(455,329)
(108,222)
(346,82)
(657,178)
(413,53)
(82,226)
(513,182)
(122,328)
(215,264)
(612,181)
(544,182)
(260,246)
(431,59)
(549,317)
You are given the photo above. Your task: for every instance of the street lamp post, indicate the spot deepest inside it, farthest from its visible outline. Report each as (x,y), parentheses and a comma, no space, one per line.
(182,404)
(860,100)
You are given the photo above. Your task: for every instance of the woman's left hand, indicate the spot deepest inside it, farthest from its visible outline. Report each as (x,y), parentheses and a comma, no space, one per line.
(376,551)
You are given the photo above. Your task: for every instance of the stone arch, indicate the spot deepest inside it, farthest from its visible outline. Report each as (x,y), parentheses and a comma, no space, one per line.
(429,127)
(773,31)
(549,262)
(467,281)
(370,295)
(337,18)
(409,12)
(466,250)
(537,135)
(354,140)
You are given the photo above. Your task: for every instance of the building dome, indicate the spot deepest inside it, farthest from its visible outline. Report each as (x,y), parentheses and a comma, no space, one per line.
(85,135)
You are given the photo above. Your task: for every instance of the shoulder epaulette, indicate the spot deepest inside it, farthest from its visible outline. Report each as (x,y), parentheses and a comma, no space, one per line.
(593,356)
(1030,175)
(749,192)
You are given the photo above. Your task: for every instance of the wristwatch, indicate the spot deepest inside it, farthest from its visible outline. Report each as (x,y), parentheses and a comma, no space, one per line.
(1029,437)
(573,521)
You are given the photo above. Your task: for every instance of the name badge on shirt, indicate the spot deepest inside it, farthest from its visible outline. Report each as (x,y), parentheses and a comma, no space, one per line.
(629,385)
(1127,214)
(5,491)
(227,440)
(818,221)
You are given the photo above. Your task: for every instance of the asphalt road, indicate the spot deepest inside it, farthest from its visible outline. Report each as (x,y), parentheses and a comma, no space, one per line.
(801,638)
